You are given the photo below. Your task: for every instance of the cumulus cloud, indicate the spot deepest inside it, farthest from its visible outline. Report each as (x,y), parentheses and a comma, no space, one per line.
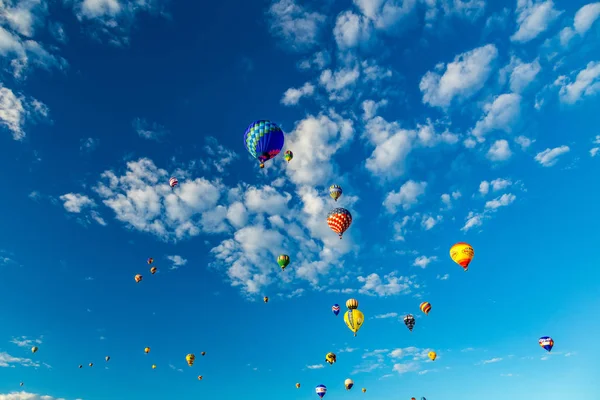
(534,17)
(374,285)
(16,110)
(502,201)
(177,261)
(460,79)
(587,83)
(6,360)
(500,114)
(297,26)
(406,197)
(292,96)
(443,277)
(28,396)
(423,261)
(523,141)
(549,157)
(585,17)
(81,204)
(499,151)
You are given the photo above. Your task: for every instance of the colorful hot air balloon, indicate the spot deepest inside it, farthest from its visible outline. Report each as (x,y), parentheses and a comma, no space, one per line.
(425,307)
(147,350)
(547,343)
(364,390)
(153,270)
(335,192)
(339,220)
(283,260)
(150,260)
(34,349)
(266,299)
(321,390)
(263,140)
(462,254)
(348,383)
(335,309)
(297,386)
(353,318)
(199,377)
(330,358)
(351,304)
(173,182)
(107,358)
(138,278)
(288,155)
(190,358)
(409,321)
(432,355)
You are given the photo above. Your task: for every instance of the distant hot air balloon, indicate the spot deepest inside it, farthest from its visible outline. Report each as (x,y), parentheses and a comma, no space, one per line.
(348,383)
(91,364)
(199,377)
(353,318)
(432,355)
(173,182)
(339,220)
(462,254)
(107,358)
(297,386)
(364,390)
(330,358)
(138,278)
(425,307)
(153,366)
(335,309)
(423,398)
(288,155)
(283,260)
(153,270)
(409,321)
(546,342)
(266,299)
(34,349)
(80,366)
(21,384)
(335,192)
(190,358)
(150,260)
(263,140)
(321,390)
(412,398)
(147,350)
(203,353)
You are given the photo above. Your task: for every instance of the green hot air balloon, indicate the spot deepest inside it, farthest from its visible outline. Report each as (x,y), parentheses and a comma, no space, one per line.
(283,261)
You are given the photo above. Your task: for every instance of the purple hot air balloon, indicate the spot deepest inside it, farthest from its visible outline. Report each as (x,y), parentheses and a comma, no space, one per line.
(336,309)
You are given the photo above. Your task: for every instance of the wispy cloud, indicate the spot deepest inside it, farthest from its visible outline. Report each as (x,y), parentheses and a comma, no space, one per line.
(490,361)
(177,261)
(315,366)
(24,341)
(387,315)
(148,130)
(6,360)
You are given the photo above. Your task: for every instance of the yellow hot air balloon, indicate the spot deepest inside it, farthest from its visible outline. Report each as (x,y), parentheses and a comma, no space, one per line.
(147,350)
(153,270)
(190,358)
(330,358)
(297,386)
(432,355)
(348,383)
(138,278)
(199,377)
(351,304)
(425,307)
(462,253)
(266,299)
(354,319)
(364,390)
(153,366)
(34,349)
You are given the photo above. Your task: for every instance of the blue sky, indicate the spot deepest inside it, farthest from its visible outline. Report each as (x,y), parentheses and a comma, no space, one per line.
(443,121)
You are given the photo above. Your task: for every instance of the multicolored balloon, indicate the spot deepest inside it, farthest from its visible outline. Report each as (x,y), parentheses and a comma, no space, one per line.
(462,253)
(263,140)
(297,386)
(330,358)
(288,155)
(138,278)
(348,383)
(547,343)
(153,270)
(173,182)
(150,260)
(190,358)
(336,309)
(339,220)
(321,390)
(283,260)
(425,307)
(409,321)
(364,390)
(266,299)
(335,192)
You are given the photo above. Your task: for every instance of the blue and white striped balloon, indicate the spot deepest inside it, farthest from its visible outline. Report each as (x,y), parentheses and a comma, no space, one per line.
(321,390)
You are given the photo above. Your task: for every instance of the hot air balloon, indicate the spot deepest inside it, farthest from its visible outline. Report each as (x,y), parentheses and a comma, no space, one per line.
(462,254)
(297,386)
(330,358)
(150,260)
(364,390)
(423,398)
(173,182)
(353,318)
(203,353)
(288,155)
(283,260)
(335,192)
(409,321)
(153,366)
(34,349)
(263,140)
(412,398)
(335,309)
(546,342)
(21,384)
(107,358)
(91,364)
(199,377)
(339,220)
(147,350)
(432,355)
(190,358)
(321,390)
(266,299)
(153,270)
(138,278)
(425,307)
(348,383)
(80,366)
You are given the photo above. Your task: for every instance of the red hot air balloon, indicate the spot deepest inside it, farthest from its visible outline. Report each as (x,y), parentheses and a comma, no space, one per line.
(339,220)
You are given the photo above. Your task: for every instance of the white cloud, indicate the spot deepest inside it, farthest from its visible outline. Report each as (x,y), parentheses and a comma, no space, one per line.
(500,114)
(177,261)
(370,108)
(6,360)
(428,221)
(594,150)
(390,285)
(218,156)
(484,187)
(24,341)
(523,141)
(533,18)
(467,9)
(499,151)
(500,184)
(88,145)
(387,315)
(292,96)
(28,396)
(474,220)
(78,203)
(340,84)
(298,27)
(16,110)
(406,197)
(502,201)
(521,74)
(585,17)
(447,198)
(587,83)
(352,30)
(492,360)
(148,130)
(549,157)
(461,78)
(423,261)
(315,366)
(443,277)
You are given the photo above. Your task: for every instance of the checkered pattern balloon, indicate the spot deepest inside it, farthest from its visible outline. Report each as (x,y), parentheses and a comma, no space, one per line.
(263,140)
(339,220)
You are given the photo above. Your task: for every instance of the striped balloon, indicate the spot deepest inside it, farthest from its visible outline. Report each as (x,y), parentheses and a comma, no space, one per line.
(336,309)
(339,220)
(546,342)
(425,307)
(335,191)
(173,182)
(321,390)
(263,140)
(351,304)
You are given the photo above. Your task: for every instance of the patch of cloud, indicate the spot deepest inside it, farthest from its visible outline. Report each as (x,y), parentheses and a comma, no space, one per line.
(594,150)
(315,366)
(386,315)
(298,27)
(292,96)
(443,277)
(585,17)
(390,285)
(550,157)
(423,261)
(16,110)
(24,341)
(406,197)
(218,156)
(587,83)
(534,17)
(6,360)
(499,151)
(523,141)
(148,130)
(500,114)
(28,396)
(88,145)
(177,261)
(84,206)
(491,361)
